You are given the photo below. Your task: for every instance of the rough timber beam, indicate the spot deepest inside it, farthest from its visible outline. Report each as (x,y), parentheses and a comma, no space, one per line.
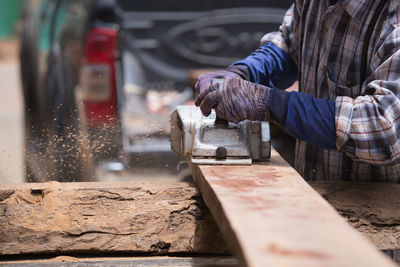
(28,215)
(271,217)
(138,217)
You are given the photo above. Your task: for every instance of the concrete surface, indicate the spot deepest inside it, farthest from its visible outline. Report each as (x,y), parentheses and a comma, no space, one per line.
(11,116)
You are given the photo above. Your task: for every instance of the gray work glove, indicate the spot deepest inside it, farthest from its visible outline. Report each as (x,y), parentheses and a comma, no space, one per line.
(235,100)
(232,71)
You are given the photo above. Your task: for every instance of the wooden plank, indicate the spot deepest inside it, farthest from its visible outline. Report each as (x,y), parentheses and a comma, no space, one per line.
(139,217)
(272,217)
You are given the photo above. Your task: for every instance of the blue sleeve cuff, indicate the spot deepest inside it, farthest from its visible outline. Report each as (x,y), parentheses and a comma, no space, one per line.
(305,117)
(270,66)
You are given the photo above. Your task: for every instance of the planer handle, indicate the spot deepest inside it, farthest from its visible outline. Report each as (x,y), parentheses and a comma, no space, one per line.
(220,121)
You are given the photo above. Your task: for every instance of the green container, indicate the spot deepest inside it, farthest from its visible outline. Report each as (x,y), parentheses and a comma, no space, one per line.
(10,11)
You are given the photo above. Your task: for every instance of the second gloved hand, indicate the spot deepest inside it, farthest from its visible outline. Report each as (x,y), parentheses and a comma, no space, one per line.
(231,72)
(236,100)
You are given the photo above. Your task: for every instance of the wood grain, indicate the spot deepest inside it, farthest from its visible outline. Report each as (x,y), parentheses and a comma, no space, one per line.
(157,218)
(271,217)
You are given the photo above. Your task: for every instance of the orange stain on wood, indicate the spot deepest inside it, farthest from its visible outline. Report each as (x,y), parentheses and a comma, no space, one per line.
(231,177)
(276,249)
(238,185)
(258,203)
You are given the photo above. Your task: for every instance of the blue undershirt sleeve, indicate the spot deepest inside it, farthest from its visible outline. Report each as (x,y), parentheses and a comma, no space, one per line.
(270,66)
(305,117)
(302,116)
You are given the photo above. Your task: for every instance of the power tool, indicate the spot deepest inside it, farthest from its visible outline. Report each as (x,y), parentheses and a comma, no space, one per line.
(212,140)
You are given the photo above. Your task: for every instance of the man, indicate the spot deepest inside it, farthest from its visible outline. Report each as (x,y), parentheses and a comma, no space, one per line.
(346,115)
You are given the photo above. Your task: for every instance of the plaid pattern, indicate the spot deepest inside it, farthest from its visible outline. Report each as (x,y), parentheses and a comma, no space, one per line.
(326,44)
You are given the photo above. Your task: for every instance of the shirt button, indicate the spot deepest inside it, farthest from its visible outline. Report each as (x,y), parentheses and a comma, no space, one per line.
(314,170)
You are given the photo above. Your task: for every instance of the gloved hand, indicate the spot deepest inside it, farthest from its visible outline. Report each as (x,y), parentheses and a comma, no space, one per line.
(232,71)
(235,100)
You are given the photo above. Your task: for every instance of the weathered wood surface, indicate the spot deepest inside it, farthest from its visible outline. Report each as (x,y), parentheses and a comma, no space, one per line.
(371,208)
(271,217)
(135,217)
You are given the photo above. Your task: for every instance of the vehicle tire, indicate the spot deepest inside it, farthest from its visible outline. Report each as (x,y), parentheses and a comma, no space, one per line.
(69,153)
(28,75)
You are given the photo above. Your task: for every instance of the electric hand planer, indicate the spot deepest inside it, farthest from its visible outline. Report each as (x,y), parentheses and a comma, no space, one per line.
(211,140)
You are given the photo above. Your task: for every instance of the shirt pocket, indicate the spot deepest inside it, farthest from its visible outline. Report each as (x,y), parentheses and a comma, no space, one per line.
(335,89)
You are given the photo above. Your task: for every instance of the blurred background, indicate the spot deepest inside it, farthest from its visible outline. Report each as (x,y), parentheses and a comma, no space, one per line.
(86,87)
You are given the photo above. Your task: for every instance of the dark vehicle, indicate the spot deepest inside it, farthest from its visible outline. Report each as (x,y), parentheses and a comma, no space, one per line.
(100,77)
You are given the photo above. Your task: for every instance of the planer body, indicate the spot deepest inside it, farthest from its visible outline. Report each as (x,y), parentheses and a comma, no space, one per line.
(208,140)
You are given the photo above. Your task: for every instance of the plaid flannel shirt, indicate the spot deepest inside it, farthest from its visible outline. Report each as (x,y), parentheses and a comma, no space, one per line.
(326,44)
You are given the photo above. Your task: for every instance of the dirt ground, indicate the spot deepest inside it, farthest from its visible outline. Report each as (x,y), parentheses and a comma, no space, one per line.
(11,116)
